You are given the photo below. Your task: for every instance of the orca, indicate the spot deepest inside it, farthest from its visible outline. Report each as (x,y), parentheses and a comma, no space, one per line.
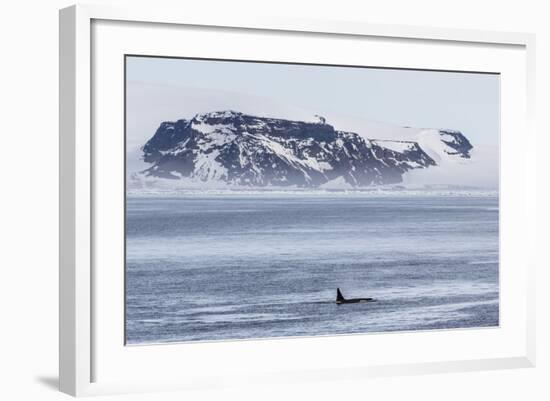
(341,300)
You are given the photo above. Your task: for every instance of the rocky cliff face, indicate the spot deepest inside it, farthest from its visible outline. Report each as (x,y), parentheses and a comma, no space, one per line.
(246,150)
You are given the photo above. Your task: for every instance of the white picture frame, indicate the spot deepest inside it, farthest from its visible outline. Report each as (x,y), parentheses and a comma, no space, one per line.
(79,344)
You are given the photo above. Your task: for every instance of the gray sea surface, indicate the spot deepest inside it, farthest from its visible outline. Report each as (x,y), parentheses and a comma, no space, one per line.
(243,266)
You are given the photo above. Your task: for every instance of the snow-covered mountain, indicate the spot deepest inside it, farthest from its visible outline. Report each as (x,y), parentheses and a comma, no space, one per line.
(245,150)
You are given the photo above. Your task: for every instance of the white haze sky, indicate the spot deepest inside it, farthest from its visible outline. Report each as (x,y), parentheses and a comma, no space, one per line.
(351,99)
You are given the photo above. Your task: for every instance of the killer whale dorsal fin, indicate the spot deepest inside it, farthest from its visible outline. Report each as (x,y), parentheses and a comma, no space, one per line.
(339,296)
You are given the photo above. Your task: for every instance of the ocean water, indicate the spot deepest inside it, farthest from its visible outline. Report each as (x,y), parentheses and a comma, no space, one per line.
(237,266)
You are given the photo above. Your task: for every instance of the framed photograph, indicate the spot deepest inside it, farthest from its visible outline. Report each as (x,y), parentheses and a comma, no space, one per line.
(265,200)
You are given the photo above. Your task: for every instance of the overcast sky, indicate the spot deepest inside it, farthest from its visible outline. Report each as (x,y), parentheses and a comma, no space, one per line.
(463,101)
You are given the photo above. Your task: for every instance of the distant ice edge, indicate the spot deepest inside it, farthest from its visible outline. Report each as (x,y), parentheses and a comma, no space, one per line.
(363,192)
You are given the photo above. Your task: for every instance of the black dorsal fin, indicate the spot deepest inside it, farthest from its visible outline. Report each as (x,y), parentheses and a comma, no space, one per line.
(339,296)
